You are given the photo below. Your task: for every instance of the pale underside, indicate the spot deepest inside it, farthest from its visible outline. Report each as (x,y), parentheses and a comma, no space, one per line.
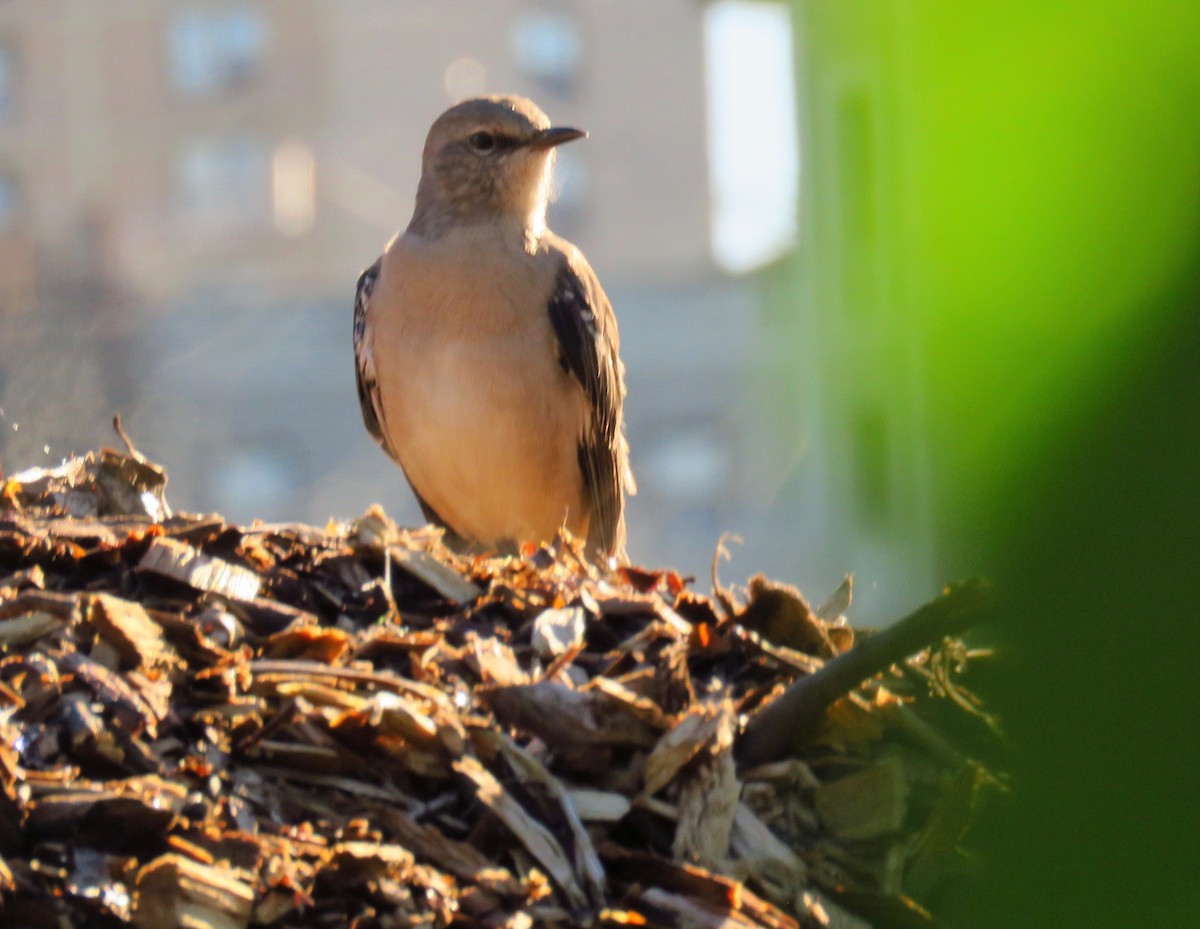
(484,420)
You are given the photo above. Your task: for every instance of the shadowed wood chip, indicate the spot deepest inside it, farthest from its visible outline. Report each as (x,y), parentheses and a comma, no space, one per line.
(303,757)
(34,614)
(587,863)
(460,859)
(867,804)
(128,628)
(353,786)
(534,836)
(567,717)
(625,700)
(708,795)
(699,727)
(357,862)
(180,562)
(90,738)
(269,616)
(133,811)
(442,578)
(764,859)
(128,706)
(172,891)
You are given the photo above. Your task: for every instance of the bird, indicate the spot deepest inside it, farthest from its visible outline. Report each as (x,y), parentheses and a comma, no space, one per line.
(486,351)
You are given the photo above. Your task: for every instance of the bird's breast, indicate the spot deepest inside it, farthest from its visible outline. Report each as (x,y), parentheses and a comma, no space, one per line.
(483,418)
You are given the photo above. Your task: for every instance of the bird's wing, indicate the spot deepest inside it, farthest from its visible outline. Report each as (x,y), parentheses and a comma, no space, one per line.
(369,399)
(586,327)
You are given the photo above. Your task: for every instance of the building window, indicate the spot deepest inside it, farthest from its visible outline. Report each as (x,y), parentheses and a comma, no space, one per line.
(548,48)
(753,140)
(216,51)
(224,183)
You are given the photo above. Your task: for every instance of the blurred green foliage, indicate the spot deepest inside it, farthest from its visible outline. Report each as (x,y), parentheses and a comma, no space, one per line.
(1056,172)
(1046,211)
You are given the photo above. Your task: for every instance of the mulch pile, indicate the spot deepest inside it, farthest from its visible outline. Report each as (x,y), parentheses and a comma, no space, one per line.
(211,725)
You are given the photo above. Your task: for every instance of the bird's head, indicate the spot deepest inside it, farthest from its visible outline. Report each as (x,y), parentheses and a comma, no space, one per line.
(489,157)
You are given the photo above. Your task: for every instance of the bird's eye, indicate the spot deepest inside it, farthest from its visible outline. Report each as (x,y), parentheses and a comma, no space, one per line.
(482,141)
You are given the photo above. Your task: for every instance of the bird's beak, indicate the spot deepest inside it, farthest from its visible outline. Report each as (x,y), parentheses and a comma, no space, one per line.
(556,135)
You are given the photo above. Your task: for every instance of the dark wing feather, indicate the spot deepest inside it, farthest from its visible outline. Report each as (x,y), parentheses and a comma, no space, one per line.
(364,360)
(587,336)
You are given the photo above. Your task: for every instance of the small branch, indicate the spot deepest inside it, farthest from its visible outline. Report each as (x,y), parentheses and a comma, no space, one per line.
(778,729)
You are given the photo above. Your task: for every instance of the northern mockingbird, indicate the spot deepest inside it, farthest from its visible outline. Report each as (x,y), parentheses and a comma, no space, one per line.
(486,349)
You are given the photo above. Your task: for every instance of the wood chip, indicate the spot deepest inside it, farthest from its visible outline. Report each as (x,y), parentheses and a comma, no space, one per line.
(208,725)
(694,731)
(535,837)
(599,806)
(29,627)
(181,562)
(128,628)
(172,892)
(558,631)
(587,864)
(708,797)
(424,567)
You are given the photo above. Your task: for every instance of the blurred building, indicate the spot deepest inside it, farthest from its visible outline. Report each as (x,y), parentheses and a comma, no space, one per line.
(189,189)
(271,146)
